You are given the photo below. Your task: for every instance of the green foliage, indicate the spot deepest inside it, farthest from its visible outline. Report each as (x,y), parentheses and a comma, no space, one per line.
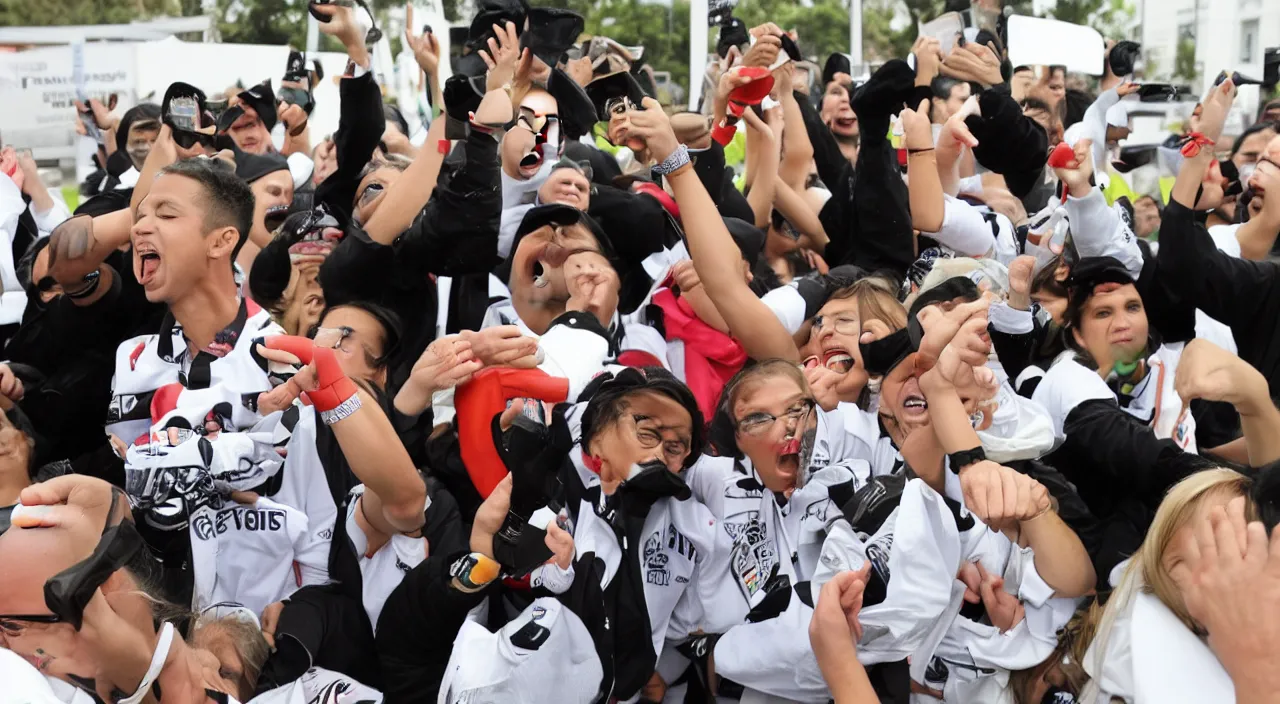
(1109,17)
(41,13)
(1184,61)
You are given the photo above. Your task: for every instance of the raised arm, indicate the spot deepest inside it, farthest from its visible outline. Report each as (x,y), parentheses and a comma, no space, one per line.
(766,156)
(923,185)
(395,495)
(1228,289)
(797,150)
(1208,372)
(406,198)
(715,256)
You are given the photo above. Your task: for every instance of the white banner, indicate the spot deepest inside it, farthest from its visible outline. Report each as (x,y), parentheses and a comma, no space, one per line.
(37,87)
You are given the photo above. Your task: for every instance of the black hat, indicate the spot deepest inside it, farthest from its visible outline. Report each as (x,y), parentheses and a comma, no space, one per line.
(836,63)
(550,32)
(190,113)
(732,34)
(497,12)
(252,167)
(263,101)
(272,268)
(540,216)
(633,379)
(1090,272)
(882,356)
(462,96)
(615,85)
(749,238)
(577,112)
(142,112)
(470,65)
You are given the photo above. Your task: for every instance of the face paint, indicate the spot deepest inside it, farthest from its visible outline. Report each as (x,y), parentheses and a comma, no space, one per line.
(138,154)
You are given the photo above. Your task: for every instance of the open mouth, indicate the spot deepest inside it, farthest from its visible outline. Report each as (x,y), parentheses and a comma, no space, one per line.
(789,458)
(275,217)
(845,123)
(530,164)
(148,263)
(838,361)
(317,243)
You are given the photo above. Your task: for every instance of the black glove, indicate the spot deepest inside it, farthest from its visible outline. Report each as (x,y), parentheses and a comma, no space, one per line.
(533,453)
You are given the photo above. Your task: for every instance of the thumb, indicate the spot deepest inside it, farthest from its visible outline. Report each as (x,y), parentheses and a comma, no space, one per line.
(509,415)
(650,104)
(299,347)
(924,107)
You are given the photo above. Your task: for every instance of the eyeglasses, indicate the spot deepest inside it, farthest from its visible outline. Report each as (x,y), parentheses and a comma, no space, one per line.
(9,623)
(652,437)
(333,338)
(844,324)
(618,106)
(757,424)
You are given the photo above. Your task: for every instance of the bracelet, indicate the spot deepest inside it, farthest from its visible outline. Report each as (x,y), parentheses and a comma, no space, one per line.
(673,162)
(964,458)
(341,411)
(92,279)
(913,152)
(153,670)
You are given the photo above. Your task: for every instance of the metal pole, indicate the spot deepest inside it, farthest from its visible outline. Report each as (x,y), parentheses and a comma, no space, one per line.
(855,34)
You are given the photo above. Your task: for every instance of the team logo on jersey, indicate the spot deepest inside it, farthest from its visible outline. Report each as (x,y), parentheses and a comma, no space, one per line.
(656,571)
(676,542)
(737,528)
(818,510)
(121,407)
(207,526)
(878,553)
(753,557)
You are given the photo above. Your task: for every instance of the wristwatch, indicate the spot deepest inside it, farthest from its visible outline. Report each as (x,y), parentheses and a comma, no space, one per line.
(673,163)
(473,571)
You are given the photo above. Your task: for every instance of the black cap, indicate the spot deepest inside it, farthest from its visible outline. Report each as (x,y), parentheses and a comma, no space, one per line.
(836,63)
(1088,273)
(252,167)
(615,85)
(142,112)
(540,216)
(190,109)
(263,101)
(497,12)
(749,238)
(550,32)
(577,112)
(732,34)
(631,380)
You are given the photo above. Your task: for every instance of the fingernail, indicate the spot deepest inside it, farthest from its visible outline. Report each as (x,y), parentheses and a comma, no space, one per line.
(30,516)
(540,355)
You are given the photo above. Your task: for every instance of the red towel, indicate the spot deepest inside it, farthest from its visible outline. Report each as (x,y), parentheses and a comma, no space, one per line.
(711,357)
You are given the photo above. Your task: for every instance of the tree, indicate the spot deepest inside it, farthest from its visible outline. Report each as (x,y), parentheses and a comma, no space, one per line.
(41,13)
(1184,61)
(1109,17)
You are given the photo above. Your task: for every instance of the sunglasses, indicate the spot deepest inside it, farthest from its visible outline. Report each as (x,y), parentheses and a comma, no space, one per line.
(187,140)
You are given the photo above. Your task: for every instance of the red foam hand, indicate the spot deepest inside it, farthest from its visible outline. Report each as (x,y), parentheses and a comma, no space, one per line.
(1062,156)
(752,93)
(332,385)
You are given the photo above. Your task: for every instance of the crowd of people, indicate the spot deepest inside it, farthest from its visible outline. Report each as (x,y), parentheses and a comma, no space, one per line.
(552,403)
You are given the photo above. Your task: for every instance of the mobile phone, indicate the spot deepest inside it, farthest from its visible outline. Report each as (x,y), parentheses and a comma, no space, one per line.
(790,47)
(90,127)
(294,96)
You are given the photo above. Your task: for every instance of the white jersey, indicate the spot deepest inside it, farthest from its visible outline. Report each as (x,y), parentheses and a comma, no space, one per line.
(254,555)
(381,572)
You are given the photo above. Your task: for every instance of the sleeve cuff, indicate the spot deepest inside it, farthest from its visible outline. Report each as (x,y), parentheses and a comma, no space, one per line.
(1010,321)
